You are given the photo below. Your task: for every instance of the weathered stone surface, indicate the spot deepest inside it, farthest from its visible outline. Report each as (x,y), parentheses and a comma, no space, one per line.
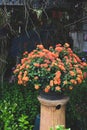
(52,112)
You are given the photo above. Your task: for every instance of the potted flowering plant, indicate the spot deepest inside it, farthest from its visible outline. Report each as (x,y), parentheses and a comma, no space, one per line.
(55,69)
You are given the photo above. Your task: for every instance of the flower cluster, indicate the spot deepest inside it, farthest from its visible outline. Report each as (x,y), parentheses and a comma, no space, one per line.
(54,69)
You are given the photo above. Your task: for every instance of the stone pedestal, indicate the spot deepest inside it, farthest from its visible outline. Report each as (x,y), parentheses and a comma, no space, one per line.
(52,112)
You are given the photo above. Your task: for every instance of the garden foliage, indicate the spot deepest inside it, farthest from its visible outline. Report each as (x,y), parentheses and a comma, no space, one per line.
(18,108)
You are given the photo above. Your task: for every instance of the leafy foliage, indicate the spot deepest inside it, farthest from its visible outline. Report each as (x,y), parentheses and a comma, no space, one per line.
(59,127)
(77,108)
(18,108)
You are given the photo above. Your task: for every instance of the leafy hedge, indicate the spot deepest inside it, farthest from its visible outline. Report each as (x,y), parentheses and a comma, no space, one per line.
(18,106)
(76,111)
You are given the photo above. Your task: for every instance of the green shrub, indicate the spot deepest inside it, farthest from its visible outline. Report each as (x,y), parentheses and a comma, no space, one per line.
(23,123)
(17,104)
(60,127)
(76,111)
(7,113)
(9,120)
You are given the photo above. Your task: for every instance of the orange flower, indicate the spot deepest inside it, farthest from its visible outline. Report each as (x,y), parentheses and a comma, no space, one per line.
(51,82)
(76,65)
(36,86)
(25,53)
(40,46)
(72,73)
(25,78)
(48,69)
(20,72)
(58,74)
(45,50)
(22,67)
(79,80)
(57,81)
(27,66)
(46,90)
(41,54)
(53,63)
(59,49)
(61,67)
(50,47)
(70,51)
(47,61)
(48,87)
(58,88)
(80,76)
(25,72)
(15,71)
(65,57)
(44,65)
(19,76)
(77,58)
(20,82)
(18,66)
(70,65)
(65,82)
(84,64)
(74,59)
(23,60)
(66,45)
(70,87)
(50,56)
(36,64)
(36,77)
(79,71)
(85,75)
(58,45)
(73,81)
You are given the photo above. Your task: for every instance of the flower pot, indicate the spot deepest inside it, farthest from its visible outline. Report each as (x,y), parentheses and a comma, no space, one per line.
(52,95)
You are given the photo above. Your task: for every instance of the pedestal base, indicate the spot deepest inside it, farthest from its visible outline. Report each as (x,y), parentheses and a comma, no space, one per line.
(52,112)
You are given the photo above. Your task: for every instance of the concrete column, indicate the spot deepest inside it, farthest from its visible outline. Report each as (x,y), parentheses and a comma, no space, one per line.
(52,112)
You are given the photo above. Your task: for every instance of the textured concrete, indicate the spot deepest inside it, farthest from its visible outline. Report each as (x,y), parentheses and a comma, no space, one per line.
(52,112)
